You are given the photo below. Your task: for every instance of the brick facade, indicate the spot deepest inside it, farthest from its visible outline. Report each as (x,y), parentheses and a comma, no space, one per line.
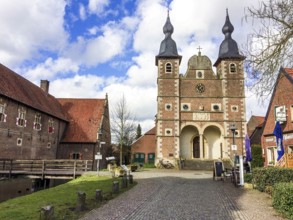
(195,110)
(282,96)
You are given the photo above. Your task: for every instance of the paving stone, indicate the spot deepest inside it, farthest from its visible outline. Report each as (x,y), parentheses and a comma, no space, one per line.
(171,194)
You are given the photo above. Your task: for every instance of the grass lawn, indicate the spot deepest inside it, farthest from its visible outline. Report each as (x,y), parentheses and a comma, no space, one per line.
(62,197)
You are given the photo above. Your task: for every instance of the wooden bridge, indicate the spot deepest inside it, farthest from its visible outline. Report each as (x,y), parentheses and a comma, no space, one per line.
(44,169)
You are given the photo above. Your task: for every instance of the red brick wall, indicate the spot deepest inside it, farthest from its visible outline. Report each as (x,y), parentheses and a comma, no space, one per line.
(34,143)
(283,96)
(146,144)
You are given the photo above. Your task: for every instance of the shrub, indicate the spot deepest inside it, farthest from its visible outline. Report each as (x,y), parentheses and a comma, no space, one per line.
(257,159)
(248,178)
(283,198)
(265,177)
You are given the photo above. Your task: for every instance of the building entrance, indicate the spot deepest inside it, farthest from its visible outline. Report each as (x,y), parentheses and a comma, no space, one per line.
(196,147)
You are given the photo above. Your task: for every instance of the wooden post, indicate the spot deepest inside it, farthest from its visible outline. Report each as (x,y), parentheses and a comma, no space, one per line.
(115,187)
(81,196)
(47,213)
(130,179)
(74,169)
(124,181)
(99,196)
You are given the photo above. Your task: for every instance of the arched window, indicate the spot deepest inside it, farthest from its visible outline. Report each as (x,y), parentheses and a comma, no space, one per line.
(168,68)
(232,68)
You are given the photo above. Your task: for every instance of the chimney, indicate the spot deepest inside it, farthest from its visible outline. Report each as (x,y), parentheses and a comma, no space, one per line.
(45,85)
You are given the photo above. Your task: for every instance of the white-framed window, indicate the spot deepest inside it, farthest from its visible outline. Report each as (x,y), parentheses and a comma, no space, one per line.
(232,68)
(185,106)
(168,68)
(168,106)
(51,126)
(271,155)
(19,141)
(20,120)
(291,109)
(200,74)
(2,113)
(234,108)
(49,144)
(168,131)
(37,122)
(215,107)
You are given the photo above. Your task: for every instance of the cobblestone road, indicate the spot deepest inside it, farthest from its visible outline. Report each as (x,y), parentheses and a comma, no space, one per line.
(184,195)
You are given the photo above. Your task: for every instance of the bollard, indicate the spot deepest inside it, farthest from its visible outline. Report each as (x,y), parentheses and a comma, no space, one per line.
(115,187)
(124,181)
(47,213)
(99,196)
(130,178)
(81,196)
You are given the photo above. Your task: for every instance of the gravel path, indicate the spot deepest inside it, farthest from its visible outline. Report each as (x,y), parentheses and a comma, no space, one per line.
(171,194)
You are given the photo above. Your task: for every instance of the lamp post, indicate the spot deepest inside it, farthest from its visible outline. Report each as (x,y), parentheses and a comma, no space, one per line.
(233,129)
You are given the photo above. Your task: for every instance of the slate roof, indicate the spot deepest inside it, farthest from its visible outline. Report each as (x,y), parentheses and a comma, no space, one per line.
(85,117)
(19,89)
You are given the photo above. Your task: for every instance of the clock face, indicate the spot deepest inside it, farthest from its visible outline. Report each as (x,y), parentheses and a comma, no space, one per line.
(200,88)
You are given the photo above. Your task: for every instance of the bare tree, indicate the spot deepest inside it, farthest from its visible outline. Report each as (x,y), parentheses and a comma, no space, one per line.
(123,127)
(270,46)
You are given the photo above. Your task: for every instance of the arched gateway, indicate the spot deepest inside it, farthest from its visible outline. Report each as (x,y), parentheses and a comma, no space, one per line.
(201,145)
(195,109)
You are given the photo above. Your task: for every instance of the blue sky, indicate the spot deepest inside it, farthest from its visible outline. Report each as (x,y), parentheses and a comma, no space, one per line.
(88,48)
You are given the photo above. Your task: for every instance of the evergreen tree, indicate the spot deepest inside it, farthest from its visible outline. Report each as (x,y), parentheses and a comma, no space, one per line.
(138,132)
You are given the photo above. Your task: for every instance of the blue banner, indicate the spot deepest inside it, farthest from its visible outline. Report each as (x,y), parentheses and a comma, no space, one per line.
(279,139)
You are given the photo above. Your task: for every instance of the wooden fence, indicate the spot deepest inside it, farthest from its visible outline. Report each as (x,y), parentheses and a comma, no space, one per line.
(45,168)
(285,161)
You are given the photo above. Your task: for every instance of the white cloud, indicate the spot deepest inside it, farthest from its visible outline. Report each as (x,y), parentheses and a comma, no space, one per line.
(50,69)
(25,27)
(97,6)
(82,12)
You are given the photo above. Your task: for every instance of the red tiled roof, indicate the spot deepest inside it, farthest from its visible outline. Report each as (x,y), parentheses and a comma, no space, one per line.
(85,118)
(260,119)
(289,71)
(151,131)
(20,89)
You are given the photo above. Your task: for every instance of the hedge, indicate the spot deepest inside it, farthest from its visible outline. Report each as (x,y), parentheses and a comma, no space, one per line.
(257,159)
(264,178)
(283,198)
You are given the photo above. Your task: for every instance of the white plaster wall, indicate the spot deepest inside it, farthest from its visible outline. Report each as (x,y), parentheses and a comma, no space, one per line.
(213,141)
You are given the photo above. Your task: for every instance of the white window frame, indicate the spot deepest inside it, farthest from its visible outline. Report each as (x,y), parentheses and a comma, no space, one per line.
(214,110)
(185,104)
(230,69)
(168,67)
(197,74)
(167,105)
(50,126)
(37,122)
(19,142)
(20,120)
(234,106)
(168,131)
(2,113)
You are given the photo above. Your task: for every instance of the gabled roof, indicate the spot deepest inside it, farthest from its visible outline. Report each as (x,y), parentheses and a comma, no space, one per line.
(260,119)
(85,119)
(16,87)
(149,132)
(288,73)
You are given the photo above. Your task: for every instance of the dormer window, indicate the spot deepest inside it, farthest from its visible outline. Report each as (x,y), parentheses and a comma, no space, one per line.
(168,68)
(20,120)
(232,68)
(51,126)
(37,122)
(2,113)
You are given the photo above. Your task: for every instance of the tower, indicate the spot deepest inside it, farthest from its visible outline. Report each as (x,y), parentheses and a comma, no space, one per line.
(195,110)
(167,122)
(230,68)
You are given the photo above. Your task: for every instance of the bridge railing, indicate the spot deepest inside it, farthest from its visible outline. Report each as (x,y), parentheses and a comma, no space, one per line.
(43,166)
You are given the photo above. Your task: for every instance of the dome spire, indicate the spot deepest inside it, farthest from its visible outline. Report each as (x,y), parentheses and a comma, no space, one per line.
(229,47)
(168,48)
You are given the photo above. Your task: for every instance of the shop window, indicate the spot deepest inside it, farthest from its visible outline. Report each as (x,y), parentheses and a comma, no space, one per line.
(37,122)
(168,68)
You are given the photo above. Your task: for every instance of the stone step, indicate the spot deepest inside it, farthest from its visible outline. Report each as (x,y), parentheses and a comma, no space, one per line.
(198,164)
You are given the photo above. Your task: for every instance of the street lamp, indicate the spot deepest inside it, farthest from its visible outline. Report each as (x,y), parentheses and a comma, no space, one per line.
(234,146)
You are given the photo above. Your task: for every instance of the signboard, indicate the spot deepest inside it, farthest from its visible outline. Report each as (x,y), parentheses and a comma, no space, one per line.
(280,113)
(110,158)
(234,147)
(201,116)
(98,157)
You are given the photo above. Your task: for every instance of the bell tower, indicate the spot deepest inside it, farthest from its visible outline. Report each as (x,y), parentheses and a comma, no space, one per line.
(230,69)
(168,106)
